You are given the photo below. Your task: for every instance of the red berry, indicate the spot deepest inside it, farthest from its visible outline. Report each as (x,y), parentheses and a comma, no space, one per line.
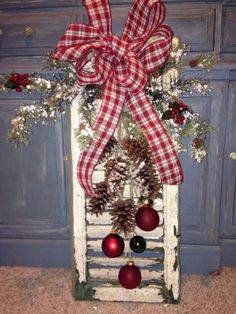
(15,77)
(183,106)
(24,82)
(19,89)
(175,111)
(26,75)
(172,115)
(179,119)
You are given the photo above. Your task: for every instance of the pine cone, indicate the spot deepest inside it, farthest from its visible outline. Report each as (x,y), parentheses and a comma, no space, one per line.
(116,173)
(111,145)
(123,216)
(143,169)
(97,205)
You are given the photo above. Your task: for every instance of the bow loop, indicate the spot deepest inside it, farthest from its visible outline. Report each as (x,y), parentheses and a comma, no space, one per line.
(156,51)
(99,75)
(143,21)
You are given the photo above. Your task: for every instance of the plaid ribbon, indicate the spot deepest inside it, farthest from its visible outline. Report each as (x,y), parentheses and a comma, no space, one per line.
(122,64)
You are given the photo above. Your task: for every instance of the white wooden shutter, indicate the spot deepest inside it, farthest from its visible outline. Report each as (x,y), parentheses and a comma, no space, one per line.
(95,276)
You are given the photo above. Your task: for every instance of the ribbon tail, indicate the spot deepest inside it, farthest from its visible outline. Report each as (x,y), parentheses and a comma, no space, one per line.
(105,125)
(99,14)
(161,145)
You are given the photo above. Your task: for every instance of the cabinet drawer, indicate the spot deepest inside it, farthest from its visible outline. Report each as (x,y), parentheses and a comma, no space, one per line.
(228,42)
(34,32)
(27,4)
(194,24)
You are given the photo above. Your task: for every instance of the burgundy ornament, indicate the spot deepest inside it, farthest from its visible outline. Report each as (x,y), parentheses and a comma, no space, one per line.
(147,218)
(113,245)
(130,276)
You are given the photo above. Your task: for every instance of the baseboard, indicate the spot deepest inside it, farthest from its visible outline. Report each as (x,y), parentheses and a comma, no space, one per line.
(35,253)
(228,252)
(199,259)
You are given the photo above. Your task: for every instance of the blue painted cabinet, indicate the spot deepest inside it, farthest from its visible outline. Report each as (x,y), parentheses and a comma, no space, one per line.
(34,218)
(34,189)
(201,191)
(228,201)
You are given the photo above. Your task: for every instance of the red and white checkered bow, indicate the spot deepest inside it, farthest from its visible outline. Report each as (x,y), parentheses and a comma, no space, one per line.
(122,65)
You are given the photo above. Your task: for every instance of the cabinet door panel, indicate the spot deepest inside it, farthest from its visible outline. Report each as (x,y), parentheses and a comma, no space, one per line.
(228,42)
(192,24)
(200,192)
(33,197)
(228,205)
(47,27)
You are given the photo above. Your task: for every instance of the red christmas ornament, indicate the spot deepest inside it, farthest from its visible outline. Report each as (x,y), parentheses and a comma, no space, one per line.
(130,276)
(147,218)
(113,245)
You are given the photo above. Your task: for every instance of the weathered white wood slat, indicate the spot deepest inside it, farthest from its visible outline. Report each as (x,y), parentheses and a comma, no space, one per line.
(105,219)
(112,274)
(121,261)
(96,245)
(149,294)
(94,231)
(78,200)
(171,239)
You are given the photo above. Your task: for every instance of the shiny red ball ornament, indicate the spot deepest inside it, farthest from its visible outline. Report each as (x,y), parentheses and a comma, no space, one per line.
(130,276)
(113,245)
(147,218)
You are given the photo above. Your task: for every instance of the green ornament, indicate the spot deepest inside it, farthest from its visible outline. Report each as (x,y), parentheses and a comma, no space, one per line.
(138,244)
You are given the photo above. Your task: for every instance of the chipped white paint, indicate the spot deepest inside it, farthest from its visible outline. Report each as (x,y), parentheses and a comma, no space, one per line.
(88,232)
(171,239)
(111,273)
(78,200)
(100,231)
(109,293)
(105,219)
(121,261)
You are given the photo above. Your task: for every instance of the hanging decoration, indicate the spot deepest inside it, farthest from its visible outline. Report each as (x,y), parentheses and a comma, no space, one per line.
(133,120)
(130,276)
(113,245)
(147,218)
(138,244)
